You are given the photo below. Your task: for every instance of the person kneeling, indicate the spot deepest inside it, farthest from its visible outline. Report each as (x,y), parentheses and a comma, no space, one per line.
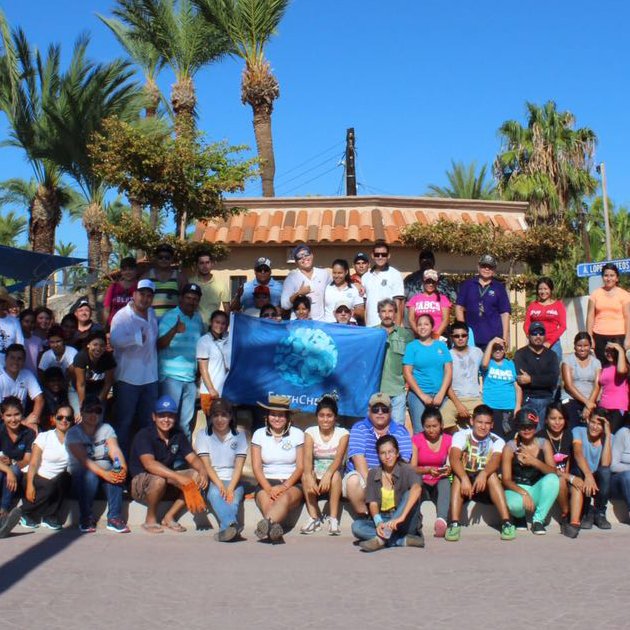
(475,459)
(156,452)
(393,496)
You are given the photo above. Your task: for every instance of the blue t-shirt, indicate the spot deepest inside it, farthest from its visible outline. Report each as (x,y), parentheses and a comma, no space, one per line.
(499,391)
(428,364)
(592,453)
(179,360)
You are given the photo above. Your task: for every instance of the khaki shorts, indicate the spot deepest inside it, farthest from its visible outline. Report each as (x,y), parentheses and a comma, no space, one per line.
(142,484)
(344,482)
(449,412)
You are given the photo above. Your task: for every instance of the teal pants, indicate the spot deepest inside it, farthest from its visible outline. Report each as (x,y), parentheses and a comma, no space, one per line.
(544,493)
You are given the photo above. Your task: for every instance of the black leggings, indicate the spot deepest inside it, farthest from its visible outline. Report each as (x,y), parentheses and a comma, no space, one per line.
(600,344)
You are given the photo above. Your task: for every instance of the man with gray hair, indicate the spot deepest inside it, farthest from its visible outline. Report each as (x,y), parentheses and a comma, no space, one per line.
(392,381)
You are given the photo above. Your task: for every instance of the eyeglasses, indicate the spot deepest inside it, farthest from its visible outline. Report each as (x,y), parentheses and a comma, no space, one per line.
(462,336)
(537,333)
(380,254)
(343,309)
(379,409)
(66,418)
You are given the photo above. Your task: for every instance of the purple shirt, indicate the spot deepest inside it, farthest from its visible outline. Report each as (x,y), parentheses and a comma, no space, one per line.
(484,307)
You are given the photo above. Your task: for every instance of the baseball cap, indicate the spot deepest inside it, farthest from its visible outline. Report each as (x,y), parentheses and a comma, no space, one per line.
(145,284)
(380,398)
(489,260)
(81,302)
(362,256)
(430,274)
(526,418)
(262,262)
(536,327)
(191,287)
(343,302)
(299,249)
(165,404)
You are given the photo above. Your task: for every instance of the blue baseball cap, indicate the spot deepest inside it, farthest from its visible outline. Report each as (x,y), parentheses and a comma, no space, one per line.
(165,404)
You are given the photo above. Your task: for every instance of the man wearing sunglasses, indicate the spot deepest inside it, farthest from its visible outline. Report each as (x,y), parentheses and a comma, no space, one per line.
(537,371)
(381,282)
(245,297)
(362,453)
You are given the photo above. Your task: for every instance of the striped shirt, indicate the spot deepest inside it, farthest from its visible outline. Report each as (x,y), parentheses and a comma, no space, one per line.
(179,360)
(363,442)
(166,294)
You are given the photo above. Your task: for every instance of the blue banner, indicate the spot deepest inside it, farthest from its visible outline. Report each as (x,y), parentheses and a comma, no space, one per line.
(304,359)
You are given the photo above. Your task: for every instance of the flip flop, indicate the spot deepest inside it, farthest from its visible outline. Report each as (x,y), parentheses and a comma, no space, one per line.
(152,528)
(174,526)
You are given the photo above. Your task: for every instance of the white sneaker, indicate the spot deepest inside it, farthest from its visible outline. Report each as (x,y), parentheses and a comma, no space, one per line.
(333,527)
(313,525)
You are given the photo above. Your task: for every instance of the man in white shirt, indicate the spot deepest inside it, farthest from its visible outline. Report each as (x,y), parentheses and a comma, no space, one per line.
(382,281)
(306,280)
(133,336)
(17,381)
(10,329)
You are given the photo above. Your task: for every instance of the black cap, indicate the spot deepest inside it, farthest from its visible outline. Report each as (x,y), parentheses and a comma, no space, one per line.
(526,418)
(362,256)
(191,287)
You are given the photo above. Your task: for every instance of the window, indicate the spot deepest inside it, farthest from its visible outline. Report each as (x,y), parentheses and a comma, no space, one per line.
(235,283)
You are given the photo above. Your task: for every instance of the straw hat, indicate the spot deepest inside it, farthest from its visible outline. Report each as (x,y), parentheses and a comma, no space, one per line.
(276,402)
(6,296)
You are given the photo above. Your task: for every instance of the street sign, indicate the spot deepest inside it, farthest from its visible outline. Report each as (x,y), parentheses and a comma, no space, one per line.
(585,270)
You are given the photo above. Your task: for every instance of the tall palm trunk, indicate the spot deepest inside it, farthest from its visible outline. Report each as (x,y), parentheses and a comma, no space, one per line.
(93,220)
(45,214)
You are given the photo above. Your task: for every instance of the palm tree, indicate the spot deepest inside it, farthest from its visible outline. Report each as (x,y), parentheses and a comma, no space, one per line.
(465,183)
(249,25)
(12,226)
(546,163)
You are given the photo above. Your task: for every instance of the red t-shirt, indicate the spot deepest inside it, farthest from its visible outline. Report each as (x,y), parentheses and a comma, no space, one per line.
(552,316)
(117,297)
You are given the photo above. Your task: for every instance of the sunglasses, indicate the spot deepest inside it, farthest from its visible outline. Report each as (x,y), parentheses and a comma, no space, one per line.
(303,256)
(537,333)
(462,336)
(343,309)
(379,409)
(66,418)
(380,254)
(486,266)
(264,269)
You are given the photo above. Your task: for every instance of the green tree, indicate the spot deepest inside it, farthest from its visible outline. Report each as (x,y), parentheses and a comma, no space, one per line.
(547,162)
(249,25)
(465,183)
(12,227)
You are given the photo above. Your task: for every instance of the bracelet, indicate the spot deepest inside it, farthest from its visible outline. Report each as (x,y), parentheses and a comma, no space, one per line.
(378,519)
(571,478)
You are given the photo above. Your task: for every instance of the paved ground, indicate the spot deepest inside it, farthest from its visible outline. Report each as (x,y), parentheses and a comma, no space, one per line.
(188,581)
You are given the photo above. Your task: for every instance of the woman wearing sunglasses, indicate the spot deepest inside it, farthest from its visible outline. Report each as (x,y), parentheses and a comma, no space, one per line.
(47,479)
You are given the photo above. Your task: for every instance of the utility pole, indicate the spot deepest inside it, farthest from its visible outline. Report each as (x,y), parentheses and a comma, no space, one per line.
(351,176)
(601,169)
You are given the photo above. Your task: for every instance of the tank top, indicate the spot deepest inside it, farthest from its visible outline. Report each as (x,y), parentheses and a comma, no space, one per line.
(526,475)
(166,294)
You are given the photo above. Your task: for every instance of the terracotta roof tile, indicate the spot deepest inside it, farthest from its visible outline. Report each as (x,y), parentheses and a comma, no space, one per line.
(340,218)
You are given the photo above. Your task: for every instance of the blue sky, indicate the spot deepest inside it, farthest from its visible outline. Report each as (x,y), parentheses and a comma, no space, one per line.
(421,82)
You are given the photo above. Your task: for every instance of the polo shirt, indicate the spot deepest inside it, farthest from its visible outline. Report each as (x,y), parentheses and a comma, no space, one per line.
(363,442)
(148,442)
(24,386)
(275,293)
(16,450)
(213,293)
(379,285)
(392,381)
(222,452)
(179,360)
(218,354)
(484,307)
(403,478)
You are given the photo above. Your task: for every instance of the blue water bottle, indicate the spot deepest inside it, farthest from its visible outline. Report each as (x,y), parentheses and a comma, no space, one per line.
(117,467)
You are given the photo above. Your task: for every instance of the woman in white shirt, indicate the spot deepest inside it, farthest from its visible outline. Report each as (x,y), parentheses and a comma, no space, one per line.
(341,287)
(47,479)
(278,463)
(223,449)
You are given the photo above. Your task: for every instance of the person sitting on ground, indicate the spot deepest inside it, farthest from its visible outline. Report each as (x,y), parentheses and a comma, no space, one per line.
(55,392)
(158,459)
(430,458)
(120,292)
(464,394)
(620,467)
(302,307)
(278,464)
(33,344)
(430,302)
(223,448)
(94,369)
(362,453)
(59,354)
(392,493)
(213,359)
(613,385)
(17,381)
(501,391)
(529,474)
(592,456)
(95,460)
(47,479)
(325,447)
(16,441)
(475,459)
(558,433)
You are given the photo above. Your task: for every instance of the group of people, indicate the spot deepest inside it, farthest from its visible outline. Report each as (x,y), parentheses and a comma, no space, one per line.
(87,406)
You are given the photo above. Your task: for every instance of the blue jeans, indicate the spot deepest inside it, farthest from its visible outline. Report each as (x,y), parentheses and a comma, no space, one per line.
(416,409)
(620,486)
(85,485)
(226,513)
(364,528)
(557,348)
(7,495)
(184,394)
(399,405)
(133,402)
(539,405)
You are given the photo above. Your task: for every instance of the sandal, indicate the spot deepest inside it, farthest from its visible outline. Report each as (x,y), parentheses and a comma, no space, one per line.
(174,526)
(152,528)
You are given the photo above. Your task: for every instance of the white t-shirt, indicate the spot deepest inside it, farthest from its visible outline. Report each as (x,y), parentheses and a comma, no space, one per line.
(475,453)
(54,454)
(217,351)
(324,452)
(222,453)
(25,385)
(318,282)
(278,456)
(50,360)
(333,294)
(10,332)
(379,285)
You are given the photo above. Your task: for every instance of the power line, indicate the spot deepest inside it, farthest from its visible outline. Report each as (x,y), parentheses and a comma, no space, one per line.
(312,179)
(314,157)
(309,170)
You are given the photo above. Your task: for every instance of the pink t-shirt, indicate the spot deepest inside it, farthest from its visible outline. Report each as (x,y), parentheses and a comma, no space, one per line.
(428,457)
(614,389)
(428,304)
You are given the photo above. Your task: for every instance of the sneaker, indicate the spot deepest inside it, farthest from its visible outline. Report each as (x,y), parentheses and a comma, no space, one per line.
(587,520)
(276,532)
(374,544)
(538,528)
(333,527)
(52,522)
(569,530)
(117,525)
(28,522)
(87,526)
(453,532)
(227,534)
(413,541)
(440,527)
(601,521)
(508,531)
(262,529)
(520,524)
(313,525)
(10,521)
